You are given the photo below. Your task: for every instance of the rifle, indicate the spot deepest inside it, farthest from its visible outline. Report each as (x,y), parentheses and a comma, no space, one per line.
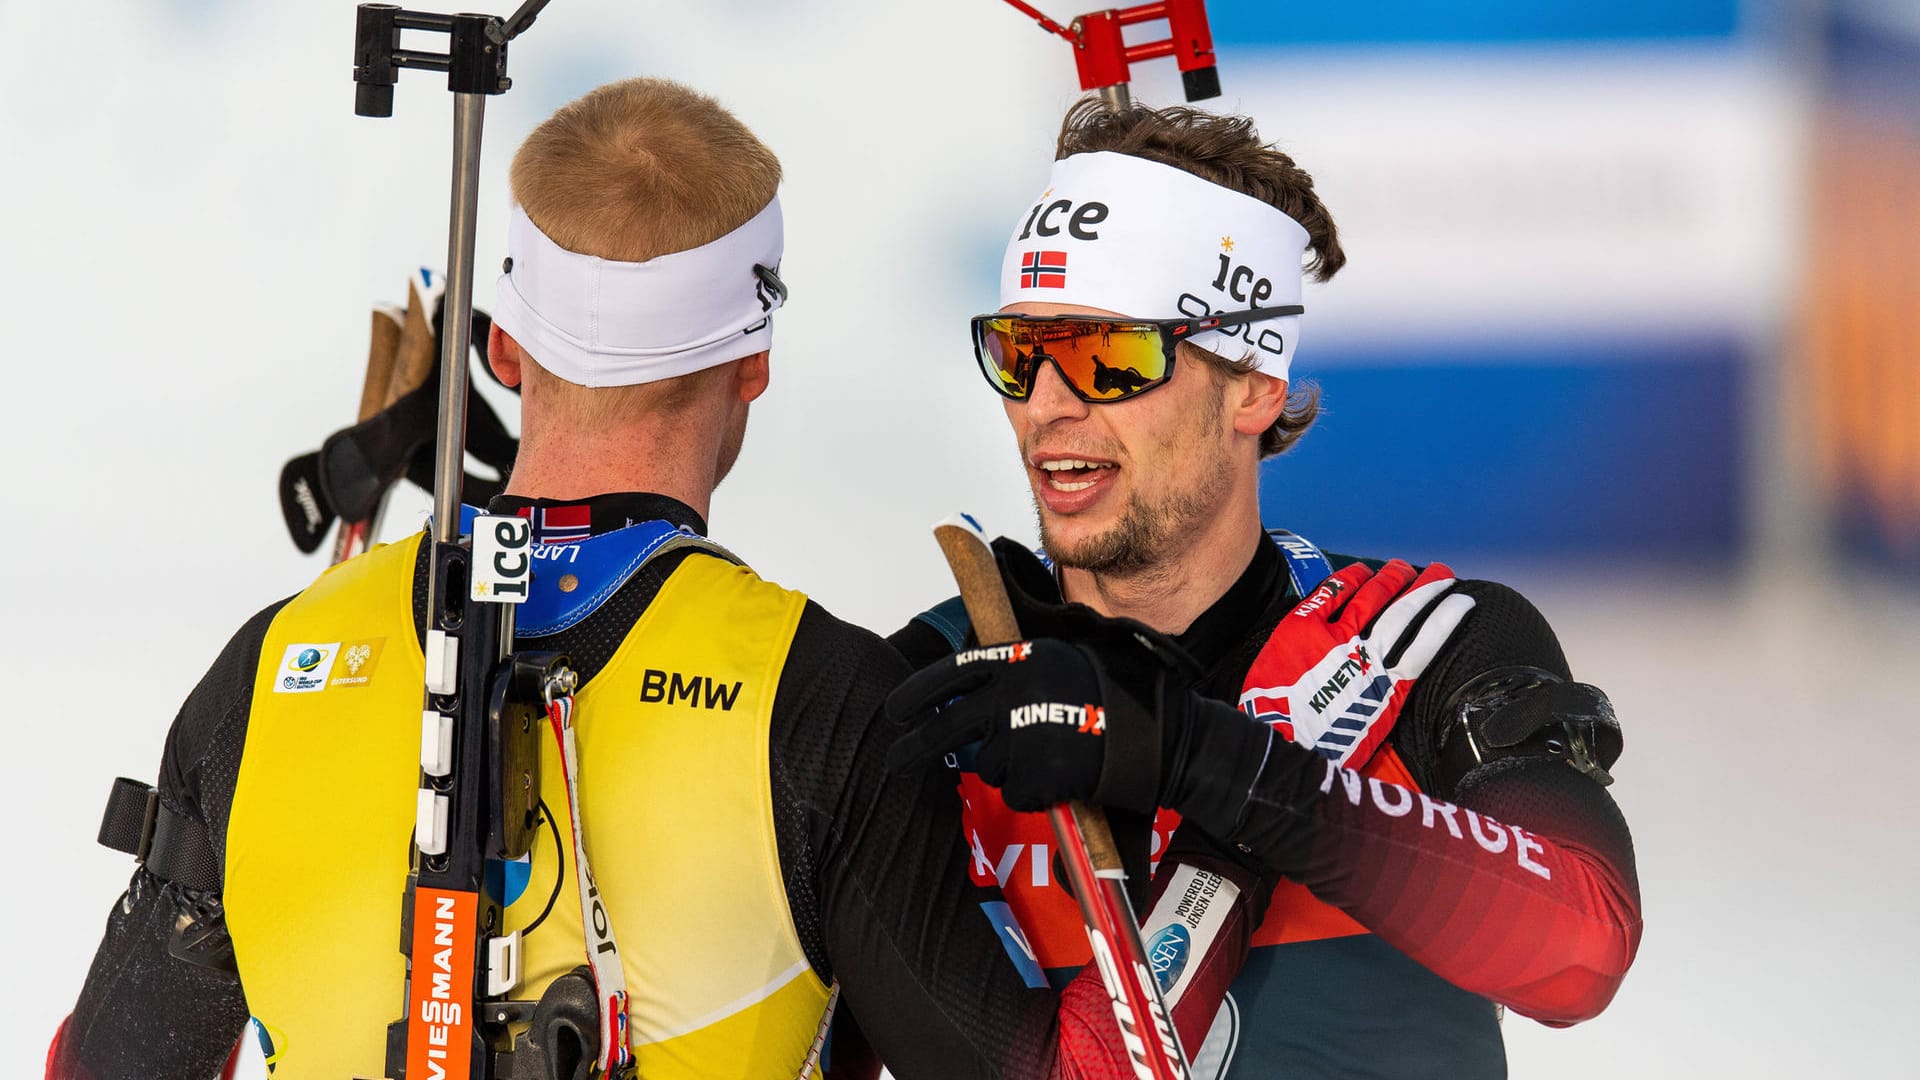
(480,736)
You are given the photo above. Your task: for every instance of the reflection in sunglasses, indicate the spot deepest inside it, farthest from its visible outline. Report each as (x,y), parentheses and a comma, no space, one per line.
(1100,361)
(1135,355)
(1110,380)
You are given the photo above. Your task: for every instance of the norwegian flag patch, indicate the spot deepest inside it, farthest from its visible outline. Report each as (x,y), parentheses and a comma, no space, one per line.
(1043,270)
(560,524)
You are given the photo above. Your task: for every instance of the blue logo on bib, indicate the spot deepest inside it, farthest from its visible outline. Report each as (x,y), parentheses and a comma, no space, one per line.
(308,659)
(1167,954)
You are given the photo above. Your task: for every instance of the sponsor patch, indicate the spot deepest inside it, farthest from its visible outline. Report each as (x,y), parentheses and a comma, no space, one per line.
(1012,654)
(304,668)
(1168,952)
(1182,926)
(1321,597)
(697,691)
(1087,719)
(439,1024)
(502,568)
(357,662)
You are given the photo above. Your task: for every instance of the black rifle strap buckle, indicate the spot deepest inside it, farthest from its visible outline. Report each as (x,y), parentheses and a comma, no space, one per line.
(171,845)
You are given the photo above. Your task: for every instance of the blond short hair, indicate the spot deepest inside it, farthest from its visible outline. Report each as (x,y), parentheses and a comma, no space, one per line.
(634,170)
(641,168)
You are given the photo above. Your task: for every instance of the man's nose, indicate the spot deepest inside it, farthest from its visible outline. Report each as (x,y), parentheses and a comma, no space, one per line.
(1052,399)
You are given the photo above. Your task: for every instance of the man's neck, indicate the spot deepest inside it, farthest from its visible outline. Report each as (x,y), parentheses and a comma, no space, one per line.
(633,460)
(1172,592)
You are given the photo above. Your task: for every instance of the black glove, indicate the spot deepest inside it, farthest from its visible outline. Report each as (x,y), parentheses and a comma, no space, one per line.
(1164,745)
(1052,724)
(1041,613)
(1145,663)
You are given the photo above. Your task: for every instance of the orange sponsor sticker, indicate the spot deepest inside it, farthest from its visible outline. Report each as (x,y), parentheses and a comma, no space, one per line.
(440,1006)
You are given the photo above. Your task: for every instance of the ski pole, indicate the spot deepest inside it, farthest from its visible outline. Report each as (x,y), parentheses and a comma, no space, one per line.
(399,361)
(350,478)
(1085,842)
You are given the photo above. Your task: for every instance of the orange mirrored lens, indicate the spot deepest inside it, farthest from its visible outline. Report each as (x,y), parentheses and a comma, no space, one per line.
(1101,361)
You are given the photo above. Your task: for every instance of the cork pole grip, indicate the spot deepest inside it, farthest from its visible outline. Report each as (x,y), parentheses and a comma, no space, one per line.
(417,351)
(400,355)
(382,343)
(978,576)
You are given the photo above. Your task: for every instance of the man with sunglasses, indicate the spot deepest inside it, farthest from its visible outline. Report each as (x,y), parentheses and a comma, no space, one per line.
(1402,757)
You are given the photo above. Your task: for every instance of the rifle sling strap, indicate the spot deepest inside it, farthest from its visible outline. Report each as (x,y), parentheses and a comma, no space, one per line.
(171,845)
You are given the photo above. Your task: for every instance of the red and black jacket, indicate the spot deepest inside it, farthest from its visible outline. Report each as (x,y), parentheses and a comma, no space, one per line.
(1436,887)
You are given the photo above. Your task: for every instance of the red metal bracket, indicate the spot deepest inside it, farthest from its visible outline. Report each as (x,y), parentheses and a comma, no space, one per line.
(1103,59)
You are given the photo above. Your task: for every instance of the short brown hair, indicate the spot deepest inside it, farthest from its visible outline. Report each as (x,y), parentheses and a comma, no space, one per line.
(641,168)
(1224,150)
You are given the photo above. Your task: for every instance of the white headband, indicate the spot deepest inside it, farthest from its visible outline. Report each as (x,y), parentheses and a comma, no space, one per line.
(597,322)
(1150,241)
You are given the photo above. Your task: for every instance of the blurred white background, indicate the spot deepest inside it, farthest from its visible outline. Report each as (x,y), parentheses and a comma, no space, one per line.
(197,225)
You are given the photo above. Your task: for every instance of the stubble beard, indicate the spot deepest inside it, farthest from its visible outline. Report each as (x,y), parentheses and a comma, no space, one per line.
(1150,532)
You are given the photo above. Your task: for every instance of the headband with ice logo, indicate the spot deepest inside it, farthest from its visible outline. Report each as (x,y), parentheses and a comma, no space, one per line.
(1150,241)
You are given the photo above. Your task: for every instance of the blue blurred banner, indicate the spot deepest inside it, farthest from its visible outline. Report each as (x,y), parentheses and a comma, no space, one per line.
(1549,448)
(1567,273)
(1266,22)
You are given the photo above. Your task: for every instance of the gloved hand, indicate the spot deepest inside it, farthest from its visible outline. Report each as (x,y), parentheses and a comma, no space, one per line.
(1037,607)
(1052,723)
(1055,721)
(1336,672)
(1328,684)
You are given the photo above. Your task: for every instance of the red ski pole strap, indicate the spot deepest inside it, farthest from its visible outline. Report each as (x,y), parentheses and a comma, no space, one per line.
(603,953)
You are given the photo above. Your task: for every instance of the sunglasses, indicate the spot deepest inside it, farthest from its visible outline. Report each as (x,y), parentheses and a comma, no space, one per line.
(1100,360)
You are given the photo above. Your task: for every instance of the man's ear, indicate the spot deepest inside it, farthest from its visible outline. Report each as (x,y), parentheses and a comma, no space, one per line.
(503,356)
(1257,402)
(751,377)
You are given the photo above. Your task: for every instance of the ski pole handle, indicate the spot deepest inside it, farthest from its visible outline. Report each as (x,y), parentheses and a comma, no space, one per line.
(1086,843)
